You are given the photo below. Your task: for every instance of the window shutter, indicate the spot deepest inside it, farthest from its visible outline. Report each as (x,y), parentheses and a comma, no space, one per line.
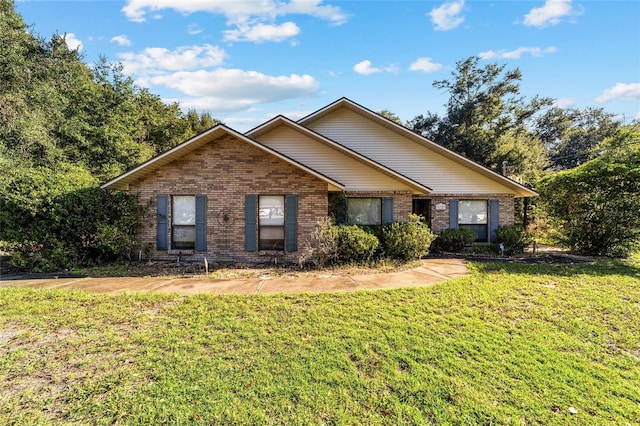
(453,214)
(494,218)
(341,210)
(250,222)
(201,222)
(387,210)
(162,240)
(291,222)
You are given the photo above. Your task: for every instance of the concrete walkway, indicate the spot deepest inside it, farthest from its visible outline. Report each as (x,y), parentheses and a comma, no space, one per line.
(430,272)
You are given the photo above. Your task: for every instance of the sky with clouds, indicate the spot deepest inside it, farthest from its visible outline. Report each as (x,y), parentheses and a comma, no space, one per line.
(245,61)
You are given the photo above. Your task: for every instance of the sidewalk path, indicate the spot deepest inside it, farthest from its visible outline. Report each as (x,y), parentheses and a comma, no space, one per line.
(430,272)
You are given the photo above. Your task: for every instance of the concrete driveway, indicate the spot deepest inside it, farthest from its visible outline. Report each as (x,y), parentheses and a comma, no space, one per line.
(431,271)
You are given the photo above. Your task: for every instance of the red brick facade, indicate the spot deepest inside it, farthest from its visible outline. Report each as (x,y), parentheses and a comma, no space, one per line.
(225,170)
(440,218)
(228,169)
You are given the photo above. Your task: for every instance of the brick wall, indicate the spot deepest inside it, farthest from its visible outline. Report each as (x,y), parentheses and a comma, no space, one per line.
(226,170)
(440,218)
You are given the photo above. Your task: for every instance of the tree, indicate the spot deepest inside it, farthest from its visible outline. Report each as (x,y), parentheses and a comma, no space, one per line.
(65,127)
(391,116)
(570,135)
(595,205)
(484,107)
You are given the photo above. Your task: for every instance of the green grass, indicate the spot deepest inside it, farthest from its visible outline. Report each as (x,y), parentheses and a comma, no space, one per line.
(508,344)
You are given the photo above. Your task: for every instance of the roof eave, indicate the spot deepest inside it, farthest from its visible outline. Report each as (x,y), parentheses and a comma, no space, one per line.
(417,188)
(122,182)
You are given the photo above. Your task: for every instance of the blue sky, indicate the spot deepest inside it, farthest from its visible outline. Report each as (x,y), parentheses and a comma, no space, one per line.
(247,61)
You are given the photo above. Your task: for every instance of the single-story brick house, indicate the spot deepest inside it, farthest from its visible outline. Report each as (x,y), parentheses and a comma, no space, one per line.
(249,197)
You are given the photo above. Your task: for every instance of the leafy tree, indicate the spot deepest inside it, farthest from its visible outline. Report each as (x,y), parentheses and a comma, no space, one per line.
(64,127)
(570,135)
(484,108)
(595,205)
(391,116)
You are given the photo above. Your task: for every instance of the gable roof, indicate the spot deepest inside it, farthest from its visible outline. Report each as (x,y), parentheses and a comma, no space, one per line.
(517,188)
(219,130)
(281,121)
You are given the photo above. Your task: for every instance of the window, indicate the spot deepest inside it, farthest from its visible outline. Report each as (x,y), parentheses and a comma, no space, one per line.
(472,214)
(364,211)
(183,220)
(271,222)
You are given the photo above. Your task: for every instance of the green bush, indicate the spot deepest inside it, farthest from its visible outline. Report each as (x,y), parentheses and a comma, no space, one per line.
(355,245)
(406,240)
(455,239)
(594,207)
(81,227)
(514,238)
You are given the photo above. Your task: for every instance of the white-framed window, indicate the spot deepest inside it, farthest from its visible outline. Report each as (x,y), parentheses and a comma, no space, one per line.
(271,223)
(364,211)
(473,214)
(183,222)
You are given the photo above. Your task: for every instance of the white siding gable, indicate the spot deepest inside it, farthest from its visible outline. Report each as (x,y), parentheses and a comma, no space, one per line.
(389,148)
(354,174)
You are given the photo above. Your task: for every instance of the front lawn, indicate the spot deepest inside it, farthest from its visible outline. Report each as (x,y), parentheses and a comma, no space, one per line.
(508,344)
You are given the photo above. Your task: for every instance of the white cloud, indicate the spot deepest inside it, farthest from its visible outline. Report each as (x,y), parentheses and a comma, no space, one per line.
(193,29)
(154,60)
(517,53)
(564,103)
(234,89)
(296,115)
(72,42)
(448,16)
(425,65)
(121,39)
(262,32)
(136,10)
(243,124)
(550,14)
(244,15)
(365,68)
(630,91)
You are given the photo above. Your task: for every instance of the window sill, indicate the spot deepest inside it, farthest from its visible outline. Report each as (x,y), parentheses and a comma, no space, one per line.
(181,252)
(271,253)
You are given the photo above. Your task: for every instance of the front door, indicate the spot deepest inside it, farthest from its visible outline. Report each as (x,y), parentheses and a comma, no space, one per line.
(422,207)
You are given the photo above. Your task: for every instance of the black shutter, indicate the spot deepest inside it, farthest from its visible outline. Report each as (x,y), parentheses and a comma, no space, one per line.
(494,218)
(201,222)
(453,214)
(341,210)
(250,222)
(291,222)
(387,210)
(162,240)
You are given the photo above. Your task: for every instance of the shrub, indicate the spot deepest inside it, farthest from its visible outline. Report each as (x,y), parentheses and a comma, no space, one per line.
(355,245)
(321,247)
(595,206)
(455,239)
(406,240)
(80,227)
(514,238)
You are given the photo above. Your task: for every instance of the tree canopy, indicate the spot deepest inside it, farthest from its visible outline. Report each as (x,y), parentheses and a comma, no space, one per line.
(66,126)
(569,135)
(596,205)
(486,117)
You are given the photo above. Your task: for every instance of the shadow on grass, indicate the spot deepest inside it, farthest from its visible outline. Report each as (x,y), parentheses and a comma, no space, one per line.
(599,267)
